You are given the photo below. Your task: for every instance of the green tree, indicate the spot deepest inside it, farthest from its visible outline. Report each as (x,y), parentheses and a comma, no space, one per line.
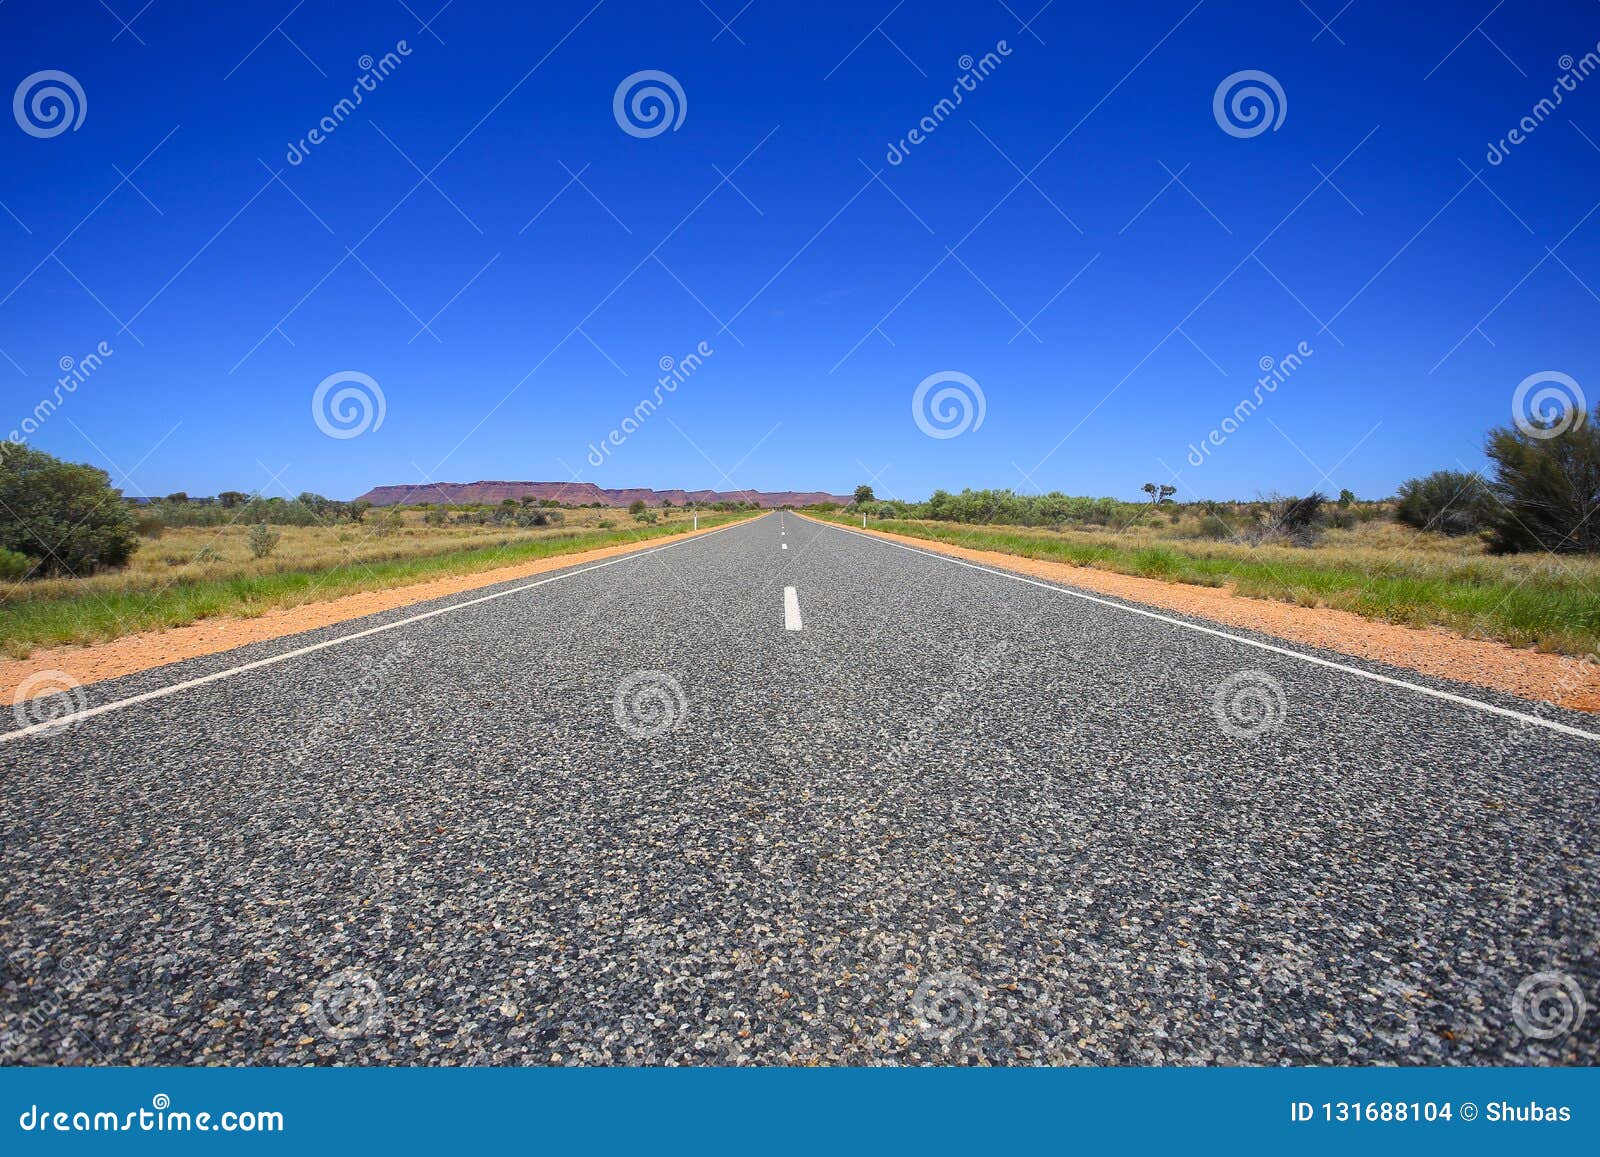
(636,507)
(863,495)
(64,516)
(232,498)
(1547,481)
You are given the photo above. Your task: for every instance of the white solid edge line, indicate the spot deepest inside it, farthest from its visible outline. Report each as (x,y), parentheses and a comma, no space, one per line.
(162,692)
(791,609)
(1448,696)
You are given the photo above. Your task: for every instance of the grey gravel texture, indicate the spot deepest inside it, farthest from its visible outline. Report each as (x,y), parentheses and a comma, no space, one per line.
(956,819)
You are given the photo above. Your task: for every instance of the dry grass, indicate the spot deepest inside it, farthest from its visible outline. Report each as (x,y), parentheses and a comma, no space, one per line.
(192,573)
(1378,569)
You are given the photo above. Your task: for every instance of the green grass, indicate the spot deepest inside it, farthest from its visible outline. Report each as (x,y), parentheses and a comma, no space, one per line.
(1520,600)
(54,618)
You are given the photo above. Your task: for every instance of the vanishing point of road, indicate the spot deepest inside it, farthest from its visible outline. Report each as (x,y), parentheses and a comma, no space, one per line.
(787,793)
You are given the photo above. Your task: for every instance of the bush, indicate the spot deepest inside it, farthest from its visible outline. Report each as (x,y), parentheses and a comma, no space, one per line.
(645,516)
(65,517)
(1548,487)
(263,540)
(435,516)
(14,565)
(1447,501)
(636,507)
(148,525)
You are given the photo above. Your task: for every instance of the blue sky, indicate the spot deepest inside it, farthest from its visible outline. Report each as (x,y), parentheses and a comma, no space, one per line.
(827,293)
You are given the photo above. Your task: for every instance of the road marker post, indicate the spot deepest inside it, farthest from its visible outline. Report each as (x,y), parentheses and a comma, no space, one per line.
(697,522)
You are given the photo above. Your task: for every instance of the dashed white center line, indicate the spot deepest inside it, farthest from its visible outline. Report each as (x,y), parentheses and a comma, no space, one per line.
(791,609)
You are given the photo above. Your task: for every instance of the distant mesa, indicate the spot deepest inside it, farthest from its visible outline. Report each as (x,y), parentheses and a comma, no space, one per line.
(582,494)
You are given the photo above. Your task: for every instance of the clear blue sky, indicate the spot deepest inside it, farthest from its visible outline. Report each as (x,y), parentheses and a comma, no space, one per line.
(223,294)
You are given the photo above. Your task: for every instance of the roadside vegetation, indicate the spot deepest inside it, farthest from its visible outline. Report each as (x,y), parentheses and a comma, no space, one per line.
(179,560)
(1513,557)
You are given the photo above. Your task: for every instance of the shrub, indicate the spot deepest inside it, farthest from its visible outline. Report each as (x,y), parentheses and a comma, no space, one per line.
(1548,487)
(435,516)
(387,522)
(263,540)
(645,516)
(14,565)
(606,524)
(64,516)
(148,525)
(636,507)
(1447,501)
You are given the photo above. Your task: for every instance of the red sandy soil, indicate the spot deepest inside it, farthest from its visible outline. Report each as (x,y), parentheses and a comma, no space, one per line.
(1562,680)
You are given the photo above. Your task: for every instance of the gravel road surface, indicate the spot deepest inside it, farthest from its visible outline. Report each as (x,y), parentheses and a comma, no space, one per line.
(638,813)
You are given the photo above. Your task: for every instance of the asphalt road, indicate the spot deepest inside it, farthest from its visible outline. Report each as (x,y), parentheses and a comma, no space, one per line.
(659,810)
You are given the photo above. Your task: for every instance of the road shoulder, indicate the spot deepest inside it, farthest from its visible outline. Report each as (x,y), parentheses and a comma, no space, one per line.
(1527,674)
(130,654)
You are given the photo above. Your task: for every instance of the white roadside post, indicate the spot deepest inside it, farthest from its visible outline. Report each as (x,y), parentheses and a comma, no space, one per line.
(697,522)
(863,522)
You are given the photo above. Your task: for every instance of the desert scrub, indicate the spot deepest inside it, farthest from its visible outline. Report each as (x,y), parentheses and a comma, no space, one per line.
(263,540)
